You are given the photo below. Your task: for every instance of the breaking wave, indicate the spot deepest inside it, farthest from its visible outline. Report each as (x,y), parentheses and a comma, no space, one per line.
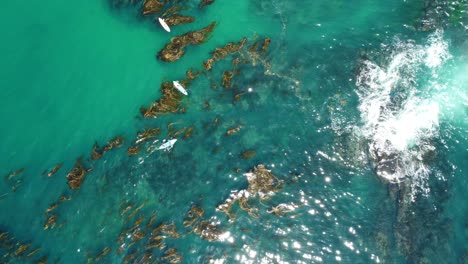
(399,108)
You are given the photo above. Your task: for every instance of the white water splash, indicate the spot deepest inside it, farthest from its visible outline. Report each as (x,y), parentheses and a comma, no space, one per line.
(400,110)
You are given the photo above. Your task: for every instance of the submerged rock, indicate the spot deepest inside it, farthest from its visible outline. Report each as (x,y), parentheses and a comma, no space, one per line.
(175,49)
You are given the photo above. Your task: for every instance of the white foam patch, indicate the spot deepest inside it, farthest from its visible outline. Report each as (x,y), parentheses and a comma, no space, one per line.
(437,50)
(399,117)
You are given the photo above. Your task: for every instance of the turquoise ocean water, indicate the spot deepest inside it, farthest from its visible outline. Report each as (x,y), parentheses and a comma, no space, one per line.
(358,107)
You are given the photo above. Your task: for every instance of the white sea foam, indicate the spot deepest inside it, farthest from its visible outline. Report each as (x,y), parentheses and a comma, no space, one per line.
(400,111)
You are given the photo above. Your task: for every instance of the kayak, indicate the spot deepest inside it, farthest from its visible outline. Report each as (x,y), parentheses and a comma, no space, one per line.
(164,24)
(168,145)
(179,87)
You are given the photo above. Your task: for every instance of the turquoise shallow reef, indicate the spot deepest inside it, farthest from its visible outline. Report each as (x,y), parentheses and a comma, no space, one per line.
(326,132)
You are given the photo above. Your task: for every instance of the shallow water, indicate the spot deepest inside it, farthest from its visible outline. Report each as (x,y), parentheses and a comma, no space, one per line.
(359,108)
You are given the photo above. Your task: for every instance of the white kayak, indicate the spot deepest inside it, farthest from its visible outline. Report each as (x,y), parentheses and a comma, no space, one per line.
(164,24)
(179,87)
(168,145)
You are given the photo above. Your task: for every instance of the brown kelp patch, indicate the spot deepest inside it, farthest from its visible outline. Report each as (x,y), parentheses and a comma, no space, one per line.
(221,53)
(14,179)
(189,132)
(152,7)
(242,54)
(97,153)
(14,250)
(145,235)
(168,103)
(114,143)
(253,53)
(192,74)
(142,137)
(174,50)
(172,256)
(204,3)
(227,77)
(193,215)
(51,212)
(248,154)
(103,253)
(256,52)
(206,229)
(77,175)
(261,183)
(171,98)
(54,170)
(50,222)
(147,134)
(233,130)
(133,150)
(176,19)
(283,208)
